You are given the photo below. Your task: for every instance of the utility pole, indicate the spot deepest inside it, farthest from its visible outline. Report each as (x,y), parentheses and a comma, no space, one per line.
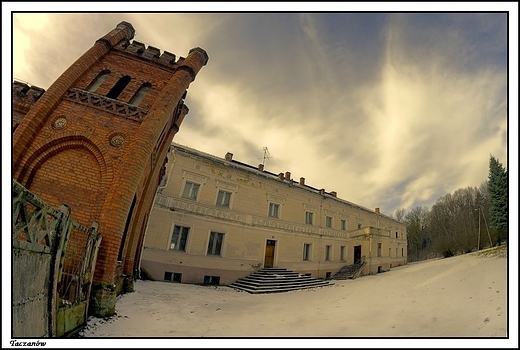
(478,240)
(490,242)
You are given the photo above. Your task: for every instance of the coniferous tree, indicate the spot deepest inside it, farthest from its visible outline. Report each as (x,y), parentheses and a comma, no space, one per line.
(497,187)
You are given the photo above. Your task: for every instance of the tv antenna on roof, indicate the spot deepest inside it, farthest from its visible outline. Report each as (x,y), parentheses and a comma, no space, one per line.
(266,155)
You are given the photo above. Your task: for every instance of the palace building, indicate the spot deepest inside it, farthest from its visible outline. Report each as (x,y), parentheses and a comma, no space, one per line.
(215,220)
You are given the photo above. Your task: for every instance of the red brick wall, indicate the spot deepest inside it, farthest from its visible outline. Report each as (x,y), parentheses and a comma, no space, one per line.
(76,164)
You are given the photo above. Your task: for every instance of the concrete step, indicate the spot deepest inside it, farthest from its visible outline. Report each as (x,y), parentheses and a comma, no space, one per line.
(253,284)
(272,280)
(278,278)
(347,272)
(257,290)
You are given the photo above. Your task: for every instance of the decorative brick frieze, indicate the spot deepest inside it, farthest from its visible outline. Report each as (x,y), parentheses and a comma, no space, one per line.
(106,104)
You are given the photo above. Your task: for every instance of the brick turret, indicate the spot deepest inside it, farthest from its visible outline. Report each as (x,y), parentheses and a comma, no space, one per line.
(96,140)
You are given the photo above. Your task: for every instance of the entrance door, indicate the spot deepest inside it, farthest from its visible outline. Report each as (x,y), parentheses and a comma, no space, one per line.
(269,253)
(357,254)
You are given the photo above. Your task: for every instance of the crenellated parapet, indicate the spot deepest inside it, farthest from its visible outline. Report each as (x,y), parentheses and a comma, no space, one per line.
(153,54)
(149,53)
(24,97)
(26,92)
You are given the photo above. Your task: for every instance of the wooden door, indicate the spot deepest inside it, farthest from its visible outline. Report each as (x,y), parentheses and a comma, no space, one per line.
(269,253)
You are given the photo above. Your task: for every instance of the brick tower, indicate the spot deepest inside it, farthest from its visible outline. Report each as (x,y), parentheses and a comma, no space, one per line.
(96,140)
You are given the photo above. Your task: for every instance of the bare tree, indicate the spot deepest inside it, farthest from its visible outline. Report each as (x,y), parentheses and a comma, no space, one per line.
(399,214)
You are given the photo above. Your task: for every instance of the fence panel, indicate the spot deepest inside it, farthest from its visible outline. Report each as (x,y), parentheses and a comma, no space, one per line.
(51,283)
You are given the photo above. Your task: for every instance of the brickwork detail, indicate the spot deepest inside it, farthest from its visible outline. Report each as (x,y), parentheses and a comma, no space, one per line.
(103,156)
(106,104)
(59,123)
(116,140)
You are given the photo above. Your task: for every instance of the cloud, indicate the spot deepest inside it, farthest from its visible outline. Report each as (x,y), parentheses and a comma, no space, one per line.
(389,110)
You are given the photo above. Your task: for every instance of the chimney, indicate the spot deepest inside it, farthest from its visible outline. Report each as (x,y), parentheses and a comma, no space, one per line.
(260,167)
(287,176)
(333,193)
(322,191)
(280,176)
(302,181)
(229,156)
(377,210)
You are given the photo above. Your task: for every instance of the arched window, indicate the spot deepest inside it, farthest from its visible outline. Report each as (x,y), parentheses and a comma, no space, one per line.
(140,94)
(119,87)
(98,81)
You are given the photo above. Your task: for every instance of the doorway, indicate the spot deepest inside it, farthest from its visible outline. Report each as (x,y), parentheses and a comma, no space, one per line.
(269,253)
(357,254)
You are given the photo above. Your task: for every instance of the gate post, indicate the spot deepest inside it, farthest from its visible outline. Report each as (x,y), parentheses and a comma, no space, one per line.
(94,242)
(61,234)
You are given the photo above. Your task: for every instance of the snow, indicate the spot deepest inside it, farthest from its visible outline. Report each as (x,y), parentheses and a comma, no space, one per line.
(461,296)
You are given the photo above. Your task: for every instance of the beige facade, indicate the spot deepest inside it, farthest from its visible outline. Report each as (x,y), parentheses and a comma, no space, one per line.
(216,220)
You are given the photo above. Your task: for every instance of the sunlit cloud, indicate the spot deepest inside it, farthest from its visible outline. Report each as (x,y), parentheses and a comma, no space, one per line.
(388,110)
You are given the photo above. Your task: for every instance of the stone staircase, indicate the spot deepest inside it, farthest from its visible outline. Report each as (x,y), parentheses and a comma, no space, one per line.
(276,280)
(349,271)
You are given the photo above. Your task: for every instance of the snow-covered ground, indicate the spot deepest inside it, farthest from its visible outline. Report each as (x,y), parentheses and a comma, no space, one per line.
(462,296)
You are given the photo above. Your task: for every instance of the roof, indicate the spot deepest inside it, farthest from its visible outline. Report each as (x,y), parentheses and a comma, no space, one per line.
(269,175)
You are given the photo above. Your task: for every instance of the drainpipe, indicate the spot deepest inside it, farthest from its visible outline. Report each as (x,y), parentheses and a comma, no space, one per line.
(319,257)
(369,253)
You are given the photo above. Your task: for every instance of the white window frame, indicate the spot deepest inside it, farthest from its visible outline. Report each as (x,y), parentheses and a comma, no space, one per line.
(212,253)
(328,253)
(225,194)
(189,194)
(309,217)
(181,227)
(307,251)
(328,221)
(270,211)
(343,253)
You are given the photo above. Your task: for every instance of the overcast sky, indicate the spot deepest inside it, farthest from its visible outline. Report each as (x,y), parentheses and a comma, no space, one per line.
(390,110)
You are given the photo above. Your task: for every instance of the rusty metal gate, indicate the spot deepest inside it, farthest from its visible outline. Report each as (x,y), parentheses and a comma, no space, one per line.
(50,283)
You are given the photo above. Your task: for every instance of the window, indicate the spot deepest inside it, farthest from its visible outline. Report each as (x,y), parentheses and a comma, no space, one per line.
(396,234)
(358,225)
(214,280)
(309,217)
(390,252)
(215,243)
(190,190)
(172,276)
(328,250)
(342,251)
(379,249)
(273,210)
(179,238)
(223,198)
(119,87)
(343,225)
(99,80)
(402,251)
(307,251)
(140,94)
(328,221)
